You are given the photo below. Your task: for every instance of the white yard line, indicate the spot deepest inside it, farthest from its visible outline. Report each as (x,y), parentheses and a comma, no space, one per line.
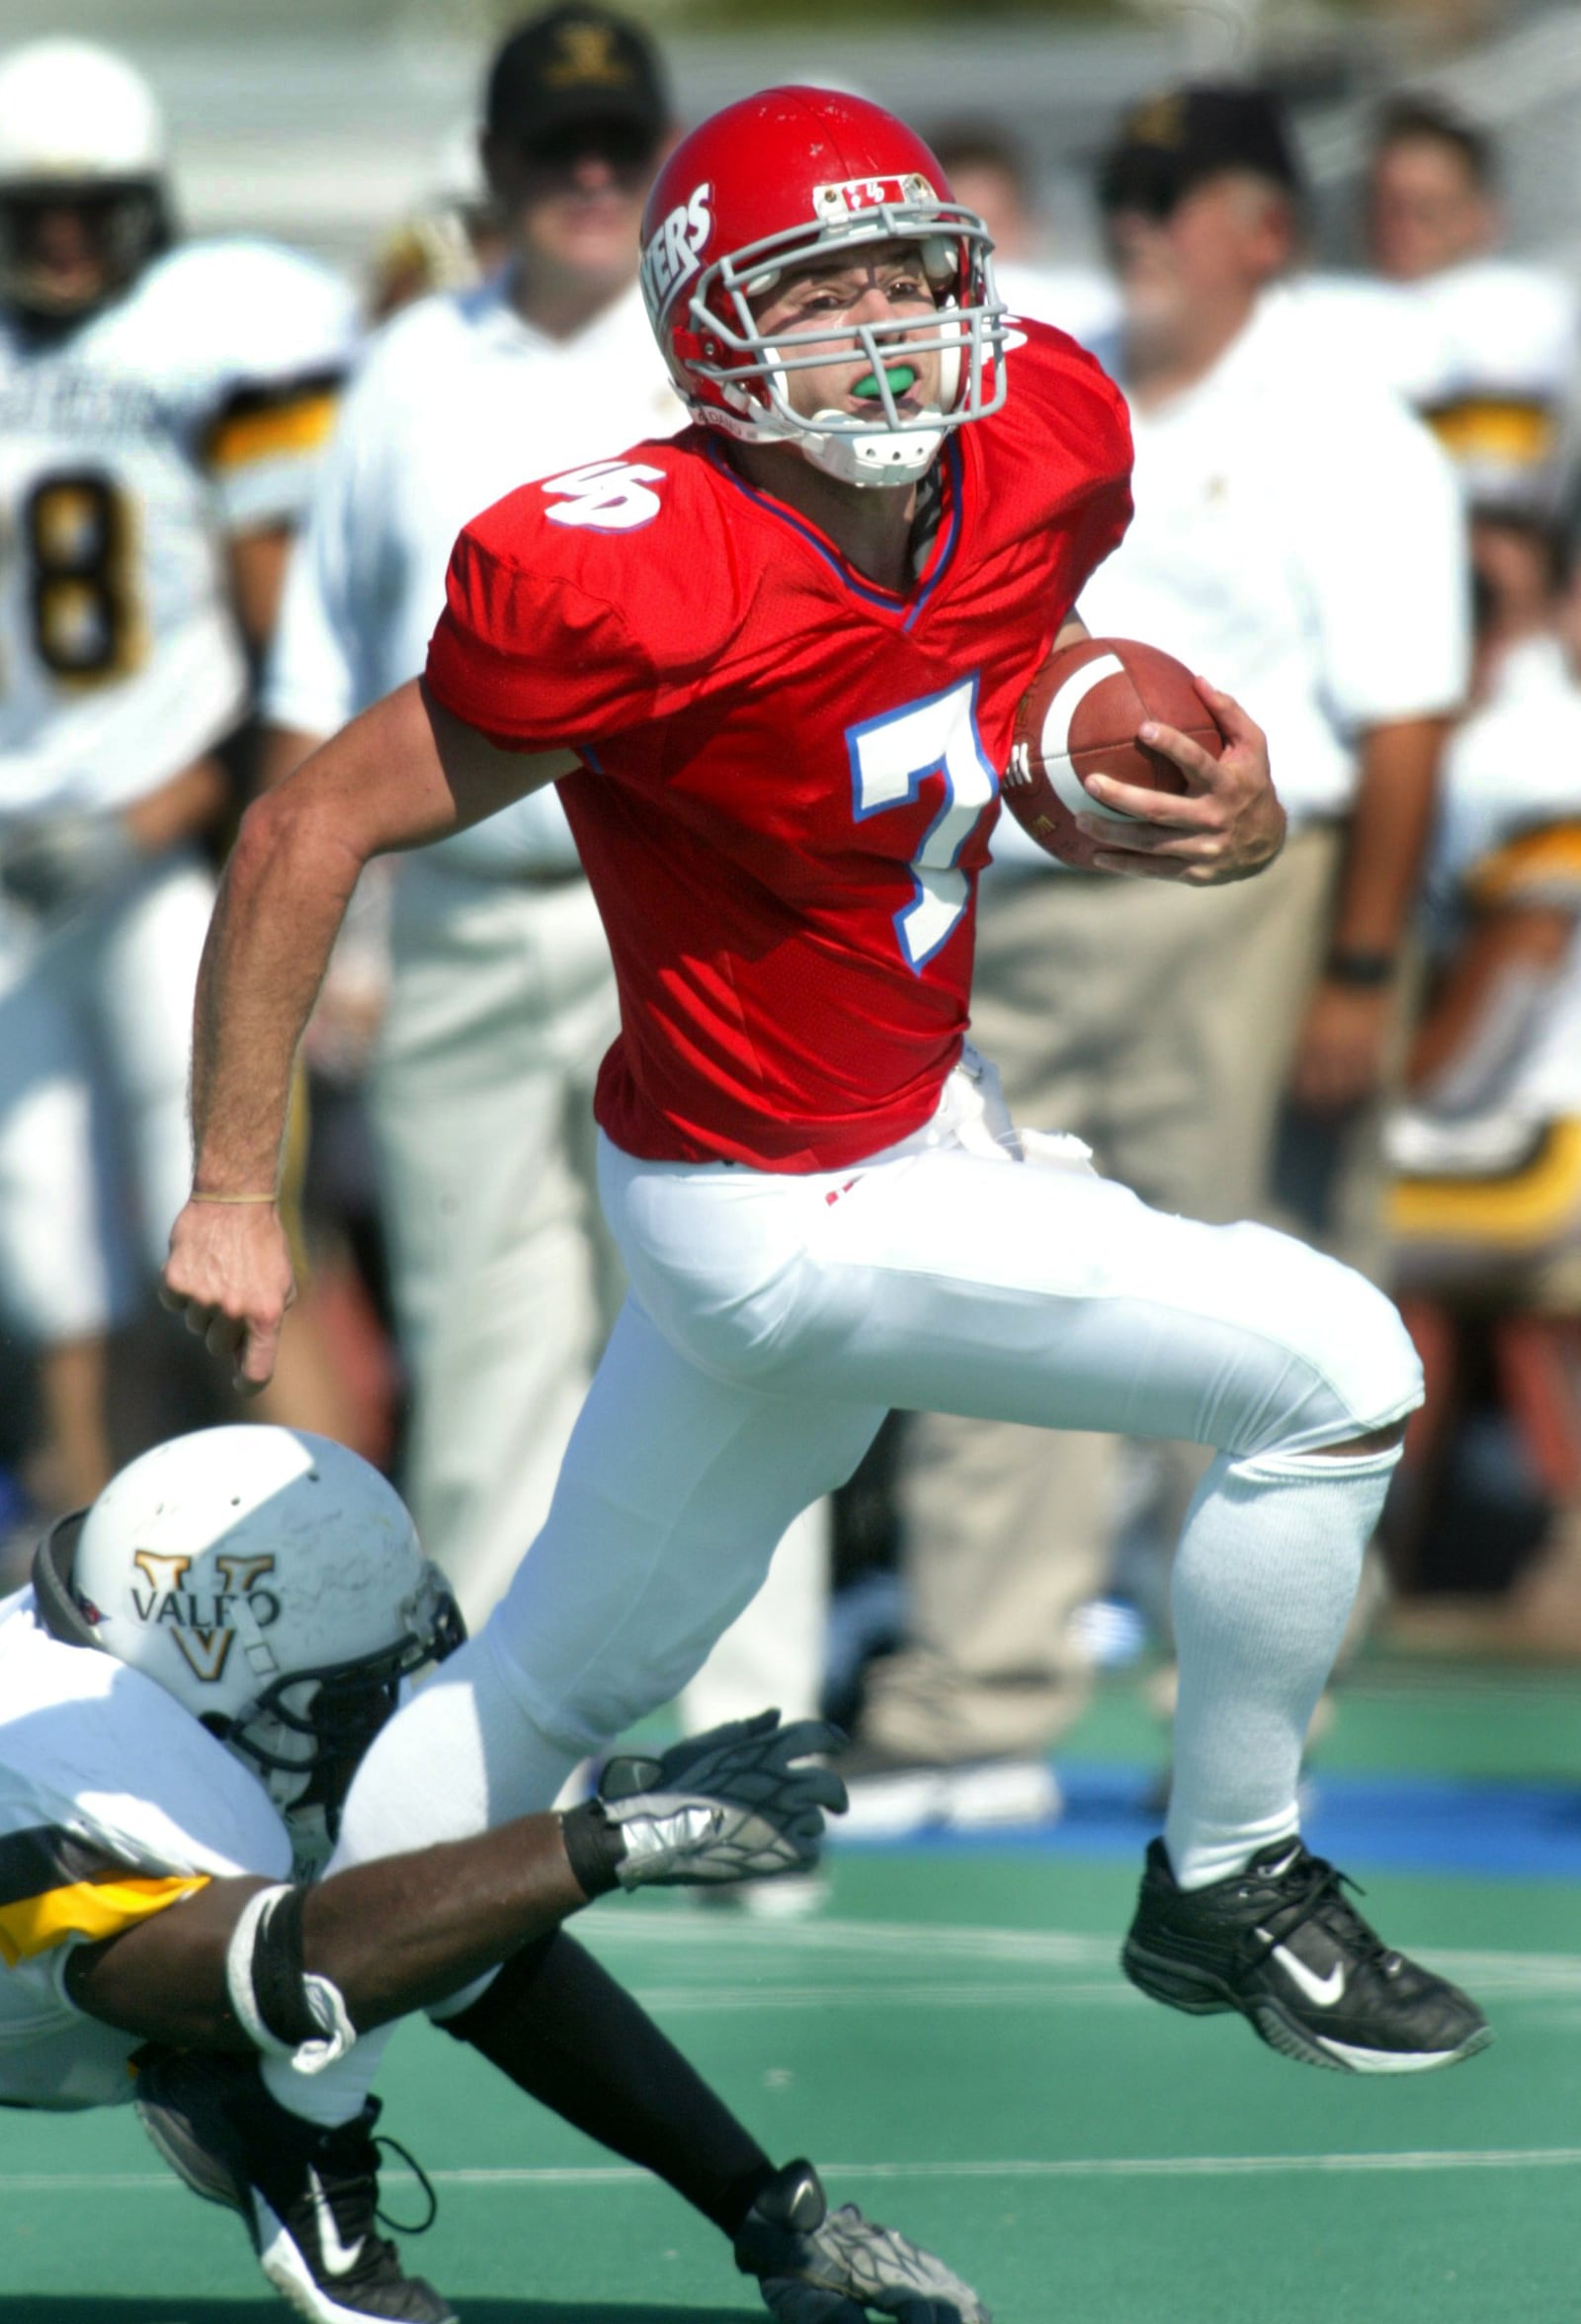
(1422,2160)
(699,2000)
(1512,1974)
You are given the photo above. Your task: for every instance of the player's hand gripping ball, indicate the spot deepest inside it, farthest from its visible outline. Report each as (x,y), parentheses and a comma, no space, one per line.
(1078,717)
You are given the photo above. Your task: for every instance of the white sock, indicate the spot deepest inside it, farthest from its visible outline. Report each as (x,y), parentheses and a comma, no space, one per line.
(458,1758)
(336,2094)
(1266,1572)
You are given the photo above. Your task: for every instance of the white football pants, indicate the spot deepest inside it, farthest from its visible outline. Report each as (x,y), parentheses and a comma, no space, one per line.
(774,1320)
(95,1044)
(771,1322)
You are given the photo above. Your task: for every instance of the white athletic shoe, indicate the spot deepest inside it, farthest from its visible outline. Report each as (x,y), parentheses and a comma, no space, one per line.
(889,1799)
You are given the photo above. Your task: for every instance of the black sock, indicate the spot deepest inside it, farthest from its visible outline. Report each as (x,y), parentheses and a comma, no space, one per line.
(565,2033)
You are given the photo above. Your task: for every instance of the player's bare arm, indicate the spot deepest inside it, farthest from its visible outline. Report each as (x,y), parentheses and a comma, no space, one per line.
(394,1935)
(258,559)
(1240,830)
(189,804)
(391,1935)
(1226,825)
(1341,1054)
(1510,951)
(403,773)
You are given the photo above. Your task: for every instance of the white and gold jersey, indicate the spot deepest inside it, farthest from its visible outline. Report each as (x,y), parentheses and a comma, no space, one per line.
(1488,1161)
(130,446)
(1488,352)
(115,1804)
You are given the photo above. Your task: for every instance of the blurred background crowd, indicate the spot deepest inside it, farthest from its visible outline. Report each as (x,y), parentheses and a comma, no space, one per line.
(280,309)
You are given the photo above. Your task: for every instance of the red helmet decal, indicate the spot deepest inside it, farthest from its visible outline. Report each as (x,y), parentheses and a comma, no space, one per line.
(673,253)
(847,201)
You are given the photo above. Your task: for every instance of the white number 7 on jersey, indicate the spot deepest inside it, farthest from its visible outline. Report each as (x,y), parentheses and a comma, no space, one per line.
(889,757)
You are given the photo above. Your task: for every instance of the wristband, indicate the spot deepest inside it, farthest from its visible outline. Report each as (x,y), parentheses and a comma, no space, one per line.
(194,1196)
(595,1847)
(1364,969)
(285,2009)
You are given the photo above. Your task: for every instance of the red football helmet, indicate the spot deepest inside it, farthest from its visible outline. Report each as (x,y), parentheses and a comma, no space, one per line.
(789,175)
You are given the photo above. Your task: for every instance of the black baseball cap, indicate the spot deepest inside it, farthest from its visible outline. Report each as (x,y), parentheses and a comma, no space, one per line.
(572,65)
(1174,142)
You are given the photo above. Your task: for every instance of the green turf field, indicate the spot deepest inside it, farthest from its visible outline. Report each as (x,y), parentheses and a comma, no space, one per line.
(952,2042)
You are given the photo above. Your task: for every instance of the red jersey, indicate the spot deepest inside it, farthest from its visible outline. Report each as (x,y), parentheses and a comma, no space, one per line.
(789,774)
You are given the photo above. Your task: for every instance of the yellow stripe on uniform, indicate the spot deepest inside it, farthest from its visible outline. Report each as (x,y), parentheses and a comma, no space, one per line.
(88,1908)
(1527,1209)
(1547,862)
(1518,430)
(271,432)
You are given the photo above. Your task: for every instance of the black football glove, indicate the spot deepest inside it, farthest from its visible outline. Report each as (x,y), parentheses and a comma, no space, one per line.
(56,861)
(730,1805)
(815,2265)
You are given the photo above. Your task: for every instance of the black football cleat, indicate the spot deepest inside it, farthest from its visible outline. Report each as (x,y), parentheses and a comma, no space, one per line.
(1280,1942)
(309,2197)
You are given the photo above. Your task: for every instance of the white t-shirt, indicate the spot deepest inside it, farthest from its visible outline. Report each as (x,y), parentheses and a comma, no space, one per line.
(458,402)
(191,408)
(1298,539)
(115,1804)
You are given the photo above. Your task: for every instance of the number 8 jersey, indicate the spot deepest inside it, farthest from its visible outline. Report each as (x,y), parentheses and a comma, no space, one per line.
(129,445)
(789,774)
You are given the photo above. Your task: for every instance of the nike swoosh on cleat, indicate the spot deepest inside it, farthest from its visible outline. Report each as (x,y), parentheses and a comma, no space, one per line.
(1321,1992)
(337,2259)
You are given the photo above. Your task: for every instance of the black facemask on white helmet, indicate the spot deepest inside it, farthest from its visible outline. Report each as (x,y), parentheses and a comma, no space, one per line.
(82,151)
(274,1583)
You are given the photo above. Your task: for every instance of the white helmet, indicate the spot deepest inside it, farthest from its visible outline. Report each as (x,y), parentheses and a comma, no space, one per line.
(77,123)
(274,1583)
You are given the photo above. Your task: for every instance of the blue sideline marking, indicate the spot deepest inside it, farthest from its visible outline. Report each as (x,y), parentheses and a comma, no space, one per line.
(1404,1823)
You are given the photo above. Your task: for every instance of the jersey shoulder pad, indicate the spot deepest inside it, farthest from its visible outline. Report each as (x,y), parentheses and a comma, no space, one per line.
(1508,323)
(90,1747)
(590,601)
(1063,389)
(1059,392)
(642,531)
(242,311)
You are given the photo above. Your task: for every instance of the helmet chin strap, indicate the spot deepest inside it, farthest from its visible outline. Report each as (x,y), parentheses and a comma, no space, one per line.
(878,457)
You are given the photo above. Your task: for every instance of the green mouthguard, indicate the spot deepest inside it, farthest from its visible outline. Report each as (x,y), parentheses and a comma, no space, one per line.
(900,375)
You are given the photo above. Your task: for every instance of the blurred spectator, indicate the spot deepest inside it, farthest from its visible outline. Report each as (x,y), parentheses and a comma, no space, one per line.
(160,410)
(989,172)
(502,995)
(1297,538)
(502,998)
(1487,347)
(450,241)
(1486,1210)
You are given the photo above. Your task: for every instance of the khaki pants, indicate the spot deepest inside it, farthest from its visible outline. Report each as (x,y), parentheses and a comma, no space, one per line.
(1157,1023)
(502,1001)
(506,1280)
